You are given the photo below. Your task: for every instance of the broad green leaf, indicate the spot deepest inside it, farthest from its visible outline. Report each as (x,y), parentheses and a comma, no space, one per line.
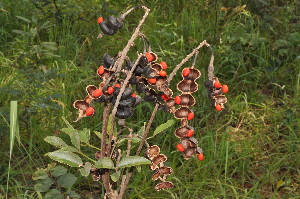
(40,174)
(58,171)
(68,148)
(54,194)
(66,157)
(105,163)
(43,185)
(130,161)
(73,134)
(72,194)
(55,141)
(115,176)
(22,32)
(163,127)
(67,180)
(51,166)
(84,135)
(24,19)
(85,171)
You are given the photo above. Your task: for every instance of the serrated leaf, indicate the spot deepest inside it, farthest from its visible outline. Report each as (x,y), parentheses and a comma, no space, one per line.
(54,194)
(115,176)
(85,171)
(72,194)
(40,174)
(67,180)
(55,141)
(105,163)
(24,19)
(58,171)
(163,127)
(84,135)
(73,134)
(69,148)
(130,161)
(66,157)
(43,185)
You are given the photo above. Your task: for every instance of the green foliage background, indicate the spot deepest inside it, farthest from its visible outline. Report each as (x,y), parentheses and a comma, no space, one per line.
(49,53)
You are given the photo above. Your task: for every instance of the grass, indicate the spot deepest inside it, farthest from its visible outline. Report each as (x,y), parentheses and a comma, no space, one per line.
(251,148)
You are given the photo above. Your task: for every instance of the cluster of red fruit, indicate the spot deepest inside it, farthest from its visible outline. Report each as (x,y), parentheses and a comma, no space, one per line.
(215,92)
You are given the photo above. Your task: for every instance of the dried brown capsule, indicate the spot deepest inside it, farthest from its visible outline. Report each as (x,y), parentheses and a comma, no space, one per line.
(188,153)
(164,185)
(187,100)
(182,113)
(162,171)
(153,151)
(182,131)
(192,74)
(187,86)
(157,160)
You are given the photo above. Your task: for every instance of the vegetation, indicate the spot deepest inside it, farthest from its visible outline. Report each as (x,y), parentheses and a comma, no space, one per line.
(49,53)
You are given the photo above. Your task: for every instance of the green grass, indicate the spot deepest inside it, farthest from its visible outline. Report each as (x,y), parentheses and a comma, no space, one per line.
(251,148)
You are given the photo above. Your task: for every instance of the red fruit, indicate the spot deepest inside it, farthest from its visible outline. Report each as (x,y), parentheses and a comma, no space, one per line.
(186,72)
(133,95)
(200,156)
(162,73)
(100,19)
(101,70)
(218,107)
(110,90)
(97,92)
(164,65)
(224,88)
(150,57)
(180,147)
(165,97)
(190,116)
(152,81)
(217,85)
(177,100)
(118,85)
(90,111)
(190,133)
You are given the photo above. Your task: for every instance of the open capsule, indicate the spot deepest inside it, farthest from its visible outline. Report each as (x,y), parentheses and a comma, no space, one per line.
(153,151)
(182,113)
(185,100)
(164,185)
(191,74)
(187,86)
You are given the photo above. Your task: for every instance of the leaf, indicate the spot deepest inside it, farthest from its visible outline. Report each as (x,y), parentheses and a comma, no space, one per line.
(73,134)
(85,171)
(105,163)
(43,185)
(51,166)
(40,174)
(55,141)
(67,180)
(45,25)
(72,194)
(281,43)
(69,148)
(130,161)
(294,38)
(163,127)
(66,157)
(84,135)
(49,45)
(54,194)
(24,19)
(34,19)
(99,135)
(58,171)
(115,176)
(22,32)
(142,130)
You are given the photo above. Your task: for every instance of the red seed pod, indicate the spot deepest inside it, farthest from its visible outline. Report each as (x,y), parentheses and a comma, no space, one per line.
(180,147)
(186,72)
(163,73)
(133,95)
(200,156)
(100,19)
(90,111)
(190,133)
(190,116)
(164,65)
(177,99)
(97,93)
(217,85)
(152,81)
(218,107)
(118,85)
(224,88)
(150,57)
(110,90)
(100,70)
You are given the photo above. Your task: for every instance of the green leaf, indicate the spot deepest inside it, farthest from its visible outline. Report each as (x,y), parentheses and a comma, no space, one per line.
(45,25)
(55,141)
(73,134)
(58,171)
(281,43)
(163,127)
(115,176)
(54,194)
(99,135)
(51,166)
(130,161)
(69,148)
(24,19)
(85,171)
(40,174)
(84,135)
(66,157)
(22,32)
(142,130)
(105,162)
(49,45)
(72,194)
(67,180)
(295,38)
(43,185)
